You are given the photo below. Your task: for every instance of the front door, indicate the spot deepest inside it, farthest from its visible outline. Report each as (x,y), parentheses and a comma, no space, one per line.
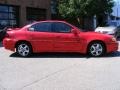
(65,40)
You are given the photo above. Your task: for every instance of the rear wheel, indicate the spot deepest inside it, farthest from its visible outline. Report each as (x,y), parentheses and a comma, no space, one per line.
(96,49)
(23,49)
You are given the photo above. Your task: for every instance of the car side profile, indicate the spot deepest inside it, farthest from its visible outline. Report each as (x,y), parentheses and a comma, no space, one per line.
(57,36)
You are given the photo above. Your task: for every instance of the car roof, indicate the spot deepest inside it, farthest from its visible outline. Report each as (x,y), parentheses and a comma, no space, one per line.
(52,21)
(55,21)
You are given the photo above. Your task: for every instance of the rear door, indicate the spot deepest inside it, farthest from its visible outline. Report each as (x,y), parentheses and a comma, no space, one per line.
(42,37)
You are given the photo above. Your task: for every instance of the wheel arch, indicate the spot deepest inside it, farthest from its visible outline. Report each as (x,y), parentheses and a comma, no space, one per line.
(23,41)
(94,41)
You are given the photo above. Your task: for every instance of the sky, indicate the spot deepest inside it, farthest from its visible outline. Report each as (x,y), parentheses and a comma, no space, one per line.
(115,0)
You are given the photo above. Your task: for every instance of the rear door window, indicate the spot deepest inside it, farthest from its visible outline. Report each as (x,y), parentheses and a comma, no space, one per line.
(42,27)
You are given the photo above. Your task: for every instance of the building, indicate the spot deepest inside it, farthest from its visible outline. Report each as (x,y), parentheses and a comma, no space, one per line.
(54,9)
(17,13)
(114,18)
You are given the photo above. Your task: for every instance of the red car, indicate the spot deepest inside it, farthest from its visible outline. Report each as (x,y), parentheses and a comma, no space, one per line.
(57,36)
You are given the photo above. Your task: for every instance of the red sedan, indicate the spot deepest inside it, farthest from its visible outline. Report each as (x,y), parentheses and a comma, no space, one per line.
(57,36)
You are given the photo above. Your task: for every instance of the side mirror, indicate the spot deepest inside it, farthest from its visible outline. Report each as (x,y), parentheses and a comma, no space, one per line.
(74,31)
(31,29)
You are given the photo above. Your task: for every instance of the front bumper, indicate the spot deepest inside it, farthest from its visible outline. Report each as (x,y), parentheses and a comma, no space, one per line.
(112,47)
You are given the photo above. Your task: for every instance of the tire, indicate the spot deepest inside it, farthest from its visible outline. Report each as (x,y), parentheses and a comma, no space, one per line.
(96,49)
(24,49)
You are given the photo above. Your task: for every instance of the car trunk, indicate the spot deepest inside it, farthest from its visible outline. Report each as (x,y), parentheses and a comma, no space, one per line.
(4,32)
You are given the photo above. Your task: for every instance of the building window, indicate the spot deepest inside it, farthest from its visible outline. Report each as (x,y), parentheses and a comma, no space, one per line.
(9,16)
(35,14)
(54,6)
(54,9)
(112,17)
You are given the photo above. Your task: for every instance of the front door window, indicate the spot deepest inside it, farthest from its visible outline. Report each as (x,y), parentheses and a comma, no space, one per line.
(59,27)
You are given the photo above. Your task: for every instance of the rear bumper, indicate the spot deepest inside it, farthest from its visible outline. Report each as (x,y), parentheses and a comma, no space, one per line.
(9,44)
(112,47)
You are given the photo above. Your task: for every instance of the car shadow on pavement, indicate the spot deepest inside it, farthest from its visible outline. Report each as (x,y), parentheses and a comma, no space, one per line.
(114,54)
(66,55)
(53,55)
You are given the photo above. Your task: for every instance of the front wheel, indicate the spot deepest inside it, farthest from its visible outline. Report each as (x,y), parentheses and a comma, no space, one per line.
(23,49)
(96,49)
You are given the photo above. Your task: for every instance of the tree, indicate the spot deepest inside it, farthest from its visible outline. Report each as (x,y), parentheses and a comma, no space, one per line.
(78,9)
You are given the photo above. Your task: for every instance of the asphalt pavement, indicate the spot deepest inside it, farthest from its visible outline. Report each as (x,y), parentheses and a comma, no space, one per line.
(59,71)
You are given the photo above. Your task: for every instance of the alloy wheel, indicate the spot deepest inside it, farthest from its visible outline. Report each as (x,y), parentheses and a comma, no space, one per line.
(96,49)
(23,50)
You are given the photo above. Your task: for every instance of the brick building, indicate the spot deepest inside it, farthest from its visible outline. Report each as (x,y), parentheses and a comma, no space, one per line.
(20,12)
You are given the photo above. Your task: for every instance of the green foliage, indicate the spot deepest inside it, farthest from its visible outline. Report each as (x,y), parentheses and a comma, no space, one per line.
(79,8)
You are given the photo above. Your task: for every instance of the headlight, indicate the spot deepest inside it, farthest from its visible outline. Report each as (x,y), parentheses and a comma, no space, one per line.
(113,39)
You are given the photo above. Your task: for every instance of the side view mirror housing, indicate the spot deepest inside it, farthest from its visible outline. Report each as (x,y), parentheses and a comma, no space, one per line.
(74,31)
(31,29)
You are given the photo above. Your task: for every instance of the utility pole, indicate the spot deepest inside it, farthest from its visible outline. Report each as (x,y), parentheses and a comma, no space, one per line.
(117,19)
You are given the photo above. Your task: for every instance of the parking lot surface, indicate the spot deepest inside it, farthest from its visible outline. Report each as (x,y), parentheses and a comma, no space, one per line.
(58,71)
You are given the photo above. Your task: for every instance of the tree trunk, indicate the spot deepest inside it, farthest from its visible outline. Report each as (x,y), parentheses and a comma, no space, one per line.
(80,22)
